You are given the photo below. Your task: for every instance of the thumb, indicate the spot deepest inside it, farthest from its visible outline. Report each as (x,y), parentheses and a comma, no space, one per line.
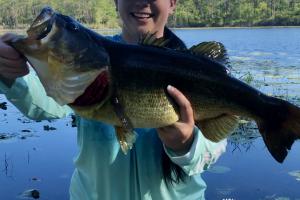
(186,111)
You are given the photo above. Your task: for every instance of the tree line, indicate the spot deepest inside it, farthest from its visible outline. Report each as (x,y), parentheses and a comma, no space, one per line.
(237,13)
(189,13)
(95,13)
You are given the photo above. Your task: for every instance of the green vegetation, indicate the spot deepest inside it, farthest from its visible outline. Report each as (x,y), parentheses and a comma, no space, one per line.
(95,13)
(237,13)
(189,13)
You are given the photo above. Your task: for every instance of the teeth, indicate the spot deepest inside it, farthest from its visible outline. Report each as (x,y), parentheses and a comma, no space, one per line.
(142,15)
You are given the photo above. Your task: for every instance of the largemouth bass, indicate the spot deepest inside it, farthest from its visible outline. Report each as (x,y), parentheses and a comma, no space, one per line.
(125,85)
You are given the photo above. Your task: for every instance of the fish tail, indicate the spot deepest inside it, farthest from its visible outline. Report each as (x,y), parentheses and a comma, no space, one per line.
(281,128)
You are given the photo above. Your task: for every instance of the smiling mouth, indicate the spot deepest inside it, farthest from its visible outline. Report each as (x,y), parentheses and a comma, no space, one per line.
(141,15)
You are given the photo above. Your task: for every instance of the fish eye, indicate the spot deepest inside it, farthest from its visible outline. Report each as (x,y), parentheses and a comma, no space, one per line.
(72,26)
(69,23)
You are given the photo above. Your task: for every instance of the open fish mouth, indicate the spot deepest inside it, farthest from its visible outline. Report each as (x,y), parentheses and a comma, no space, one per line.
(42,25)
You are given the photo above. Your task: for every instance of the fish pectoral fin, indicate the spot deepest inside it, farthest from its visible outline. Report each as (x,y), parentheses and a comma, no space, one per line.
(126,138)
(213,50)
(218,128)
(125,134)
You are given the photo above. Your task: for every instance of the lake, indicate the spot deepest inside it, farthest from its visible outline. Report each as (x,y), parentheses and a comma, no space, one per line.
(39,154)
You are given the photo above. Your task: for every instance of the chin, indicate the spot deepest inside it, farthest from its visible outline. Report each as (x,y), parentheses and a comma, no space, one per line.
(142,30)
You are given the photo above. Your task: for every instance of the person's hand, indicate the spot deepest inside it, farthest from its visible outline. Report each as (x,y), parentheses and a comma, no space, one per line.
(12,64)
(179,136)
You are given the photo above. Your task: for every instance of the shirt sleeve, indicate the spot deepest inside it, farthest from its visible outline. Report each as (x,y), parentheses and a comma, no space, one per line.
(201,155)
(29,96)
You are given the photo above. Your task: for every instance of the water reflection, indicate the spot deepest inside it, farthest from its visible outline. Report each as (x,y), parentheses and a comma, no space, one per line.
(295,174)
(30,152)
(31,155)
(269,59)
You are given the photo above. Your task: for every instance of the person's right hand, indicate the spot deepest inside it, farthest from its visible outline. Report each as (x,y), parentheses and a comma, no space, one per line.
(12,64)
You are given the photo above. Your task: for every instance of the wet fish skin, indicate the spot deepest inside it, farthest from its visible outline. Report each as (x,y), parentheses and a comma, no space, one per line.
(211,93)
(87,73)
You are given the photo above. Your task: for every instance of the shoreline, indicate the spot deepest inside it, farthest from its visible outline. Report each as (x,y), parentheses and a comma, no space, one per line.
(2,30)
(232,27)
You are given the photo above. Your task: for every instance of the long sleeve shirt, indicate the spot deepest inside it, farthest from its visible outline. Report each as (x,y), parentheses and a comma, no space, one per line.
(102,171)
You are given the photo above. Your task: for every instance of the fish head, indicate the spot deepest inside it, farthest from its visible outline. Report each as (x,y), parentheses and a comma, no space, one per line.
(64,38)
(66,56)
(33,45)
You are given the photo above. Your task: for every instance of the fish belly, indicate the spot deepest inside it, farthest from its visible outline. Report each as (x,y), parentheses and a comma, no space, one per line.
(150,109)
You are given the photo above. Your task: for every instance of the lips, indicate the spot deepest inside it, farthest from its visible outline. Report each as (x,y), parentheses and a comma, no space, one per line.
(42,24)
(141,15)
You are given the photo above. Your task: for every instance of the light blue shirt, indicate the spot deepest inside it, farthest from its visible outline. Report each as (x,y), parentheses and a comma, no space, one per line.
(102,170)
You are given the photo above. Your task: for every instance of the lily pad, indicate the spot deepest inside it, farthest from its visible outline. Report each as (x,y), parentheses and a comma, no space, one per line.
(226,191)
(218,169)
(6,136)
(3,106)
(30,194)
(275,197)
(295,174)
(49,128)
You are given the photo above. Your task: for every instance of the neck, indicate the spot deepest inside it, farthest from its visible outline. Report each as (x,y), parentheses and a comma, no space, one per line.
(134,38)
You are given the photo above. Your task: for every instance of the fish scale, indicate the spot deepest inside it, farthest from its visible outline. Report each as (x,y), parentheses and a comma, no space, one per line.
(133,92)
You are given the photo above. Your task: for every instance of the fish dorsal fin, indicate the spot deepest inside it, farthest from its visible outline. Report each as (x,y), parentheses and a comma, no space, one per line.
(218,128)
(213,50)
(151,40)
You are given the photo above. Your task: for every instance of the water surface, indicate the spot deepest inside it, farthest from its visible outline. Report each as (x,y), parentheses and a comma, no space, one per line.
(31,157)
(272,57)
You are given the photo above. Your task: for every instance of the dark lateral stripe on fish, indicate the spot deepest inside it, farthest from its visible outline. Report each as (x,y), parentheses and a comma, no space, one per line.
(141,74)
(95,93)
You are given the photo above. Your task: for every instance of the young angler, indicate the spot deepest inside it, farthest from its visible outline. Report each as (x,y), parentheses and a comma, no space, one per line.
(164,163)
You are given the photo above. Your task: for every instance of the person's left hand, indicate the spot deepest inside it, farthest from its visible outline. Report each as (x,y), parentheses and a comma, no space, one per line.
(179,136)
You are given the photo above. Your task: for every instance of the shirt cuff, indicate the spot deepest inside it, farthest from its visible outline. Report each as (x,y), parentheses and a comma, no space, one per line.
(186,158)
(18,85)
(201,155)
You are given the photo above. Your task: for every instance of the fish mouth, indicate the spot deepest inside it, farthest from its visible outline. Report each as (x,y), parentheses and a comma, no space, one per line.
(96,92)
(141,15)
(42,25)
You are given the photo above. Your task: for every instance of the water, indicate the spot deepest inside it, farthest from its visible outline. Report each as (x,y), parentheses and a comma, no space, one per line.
(34,158)
(272,57)
(39,159)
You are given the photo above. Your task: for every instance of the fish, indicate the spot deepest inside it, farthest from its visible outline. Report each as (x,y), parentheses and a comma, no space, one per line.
(125,84)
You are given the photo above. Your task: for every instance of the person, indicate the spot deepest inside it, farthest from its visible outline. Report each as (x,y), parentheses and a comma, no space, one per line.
(164,163)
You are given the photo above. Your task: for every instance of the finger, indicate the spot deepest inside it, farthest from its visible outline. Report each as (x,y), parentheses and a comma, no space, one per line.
(8,69)
(167,133)
(8,37)
(7,51)
(11,71)
(12,75)
(9,76)
(186,111)
(168,128)
(14,63)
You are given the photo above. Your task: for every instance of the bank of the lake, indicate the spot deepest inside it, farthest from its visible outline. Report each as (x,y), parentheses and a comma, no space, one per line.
(111,31)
